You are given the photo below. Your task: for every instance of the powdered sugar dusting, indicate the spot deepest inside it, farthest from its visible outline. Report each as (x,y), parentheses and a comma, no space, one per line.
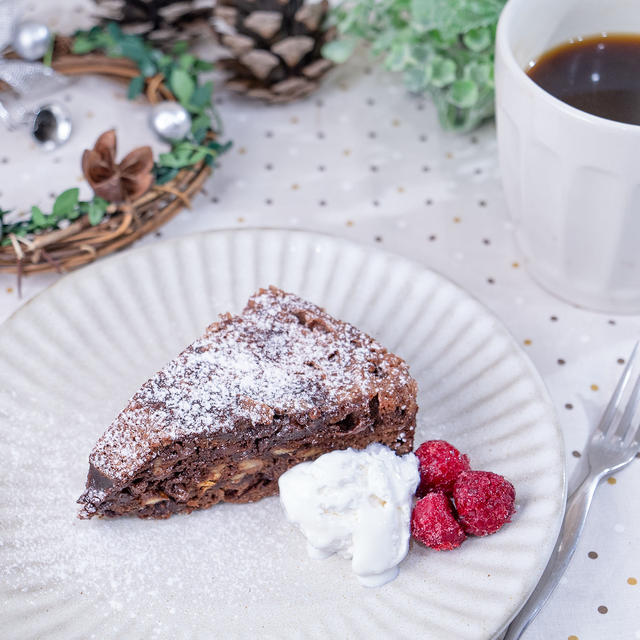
(282,356)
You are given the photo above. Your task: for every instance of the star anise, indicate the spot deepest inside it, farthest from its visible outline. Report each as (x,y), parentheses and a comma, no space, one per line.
(115,182)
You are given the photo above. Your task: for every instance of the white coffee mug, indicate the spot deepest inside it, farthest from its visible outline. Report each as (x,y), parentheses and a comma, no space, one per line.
(571,179)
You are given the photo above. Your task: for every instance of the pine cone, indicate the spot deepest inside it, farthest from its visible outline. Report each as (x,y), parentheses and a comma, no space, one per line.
(163,22)
(274,47)
(114,182)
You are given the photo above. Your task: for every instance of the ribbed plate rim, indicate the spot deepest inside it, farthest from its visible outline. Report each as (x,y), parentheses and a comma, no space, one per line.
(313,235)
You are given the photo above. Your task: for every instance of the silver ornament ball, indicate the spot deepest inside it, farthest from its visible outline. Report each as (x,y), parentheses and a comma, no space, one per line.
(51,126)
(170,120)
(31,39)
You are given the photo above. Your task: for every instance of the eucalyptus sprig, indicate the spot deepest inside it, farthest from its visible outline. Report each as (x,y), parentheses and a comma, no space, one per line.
(442,47)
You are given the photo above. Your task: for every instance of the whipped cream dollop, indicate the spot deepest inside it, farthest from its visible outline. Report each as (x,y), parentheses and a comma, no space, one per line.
(356,504)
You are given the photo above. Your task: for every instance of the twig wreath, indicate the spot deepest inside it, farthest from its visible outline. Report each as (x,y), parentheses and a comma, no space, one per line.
(136,195)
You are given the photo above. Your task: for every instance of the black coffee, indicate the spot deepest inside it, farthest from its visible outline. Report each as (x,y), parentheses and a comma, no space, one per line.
(597,74)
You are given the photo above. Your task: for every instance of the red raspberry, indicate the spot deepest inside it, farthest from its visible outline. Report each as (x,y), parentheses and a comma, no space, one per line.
(484,501)
(433,524)
(440,465)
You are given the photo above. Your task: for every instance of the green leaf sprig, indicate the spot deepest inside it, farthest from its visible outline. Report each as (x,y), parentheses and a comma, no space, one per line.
(66,206)
(181,71)
(186,154)
(442,47)
(180,68)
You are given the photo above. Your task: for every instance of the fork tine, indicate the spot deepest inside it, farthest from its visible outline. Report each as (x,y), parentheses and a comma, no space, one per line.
(606,421)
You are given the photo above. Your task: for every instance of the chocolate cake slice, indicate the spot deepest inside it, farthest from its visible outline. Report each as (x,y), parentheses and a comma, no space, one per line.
(260,392)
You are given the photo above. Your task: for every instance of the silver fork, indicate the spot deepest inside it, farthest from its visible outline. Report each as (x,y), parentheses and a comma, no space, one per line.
(612,446)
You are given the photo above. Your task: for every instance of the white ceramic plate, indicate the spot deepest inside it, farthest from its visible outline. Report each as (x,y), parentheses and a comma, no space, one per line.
(71,358)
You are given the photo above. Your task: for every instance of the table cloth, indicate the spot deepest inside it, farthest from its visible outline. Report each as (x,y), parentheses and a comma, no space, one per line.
(364,160)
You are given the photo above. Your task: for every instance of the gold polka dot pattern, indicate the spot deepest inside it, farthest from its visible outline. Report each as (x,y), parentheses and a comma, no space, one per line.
(452,203)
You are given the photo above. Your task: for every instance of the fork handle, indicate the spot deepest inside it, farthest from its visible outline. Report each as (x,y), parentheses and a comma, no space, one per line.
(578,504)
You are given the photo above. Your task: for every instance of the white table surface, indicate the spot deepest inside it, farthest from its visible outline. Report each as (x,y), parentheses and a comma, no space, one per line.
(363,160)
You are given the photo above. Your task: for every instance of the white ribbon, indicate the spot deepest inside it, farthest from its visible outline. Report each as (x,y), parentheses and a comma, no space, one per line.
(26,79)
